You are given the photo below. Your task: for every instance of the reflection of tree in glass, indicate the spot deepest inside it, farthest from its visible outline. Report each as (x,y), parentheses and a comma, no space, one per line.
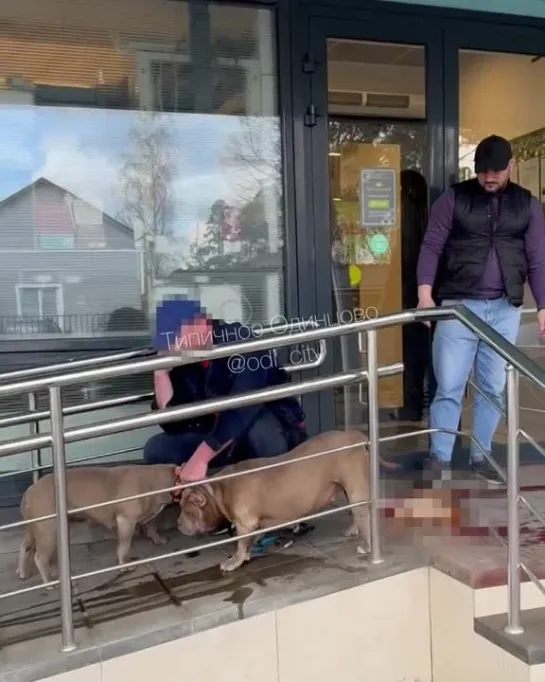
(411,137)
(253,232)
(257,147)
(146,184)
(252,160)
(253,155)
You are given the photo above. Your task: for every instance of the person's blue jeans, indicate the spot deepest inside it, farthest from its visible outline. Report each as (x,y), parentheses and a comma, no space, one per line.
(267,437)
(456,351)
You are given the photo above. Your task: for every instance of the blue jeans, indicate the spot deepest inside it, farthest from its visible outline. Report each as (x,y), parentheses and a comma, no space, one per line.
(267,437)
(456,351)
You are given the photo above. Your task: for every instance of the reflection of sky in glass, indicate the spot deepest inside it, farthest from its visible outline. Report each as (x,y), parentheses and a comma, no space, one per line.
(84,151)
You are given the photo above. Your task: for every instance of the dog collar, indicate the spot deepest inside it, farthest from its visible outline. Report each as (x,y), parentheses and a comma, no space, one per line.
(177,494)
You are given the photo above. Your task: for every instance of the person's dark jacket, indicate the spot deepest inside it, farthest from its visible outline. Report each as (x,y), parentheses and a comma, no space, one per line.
(207,380)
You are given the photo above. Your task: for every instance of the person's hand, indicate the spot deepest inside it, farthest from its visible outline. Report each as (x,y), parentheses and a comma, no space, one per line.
(425,301)
(194,470)
(541,321)
(197,466)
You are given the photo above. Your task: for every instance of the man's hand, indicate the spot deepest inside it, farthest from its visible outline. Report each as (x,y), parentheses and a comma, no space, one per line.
(197,466)
(541,321)
(425,299)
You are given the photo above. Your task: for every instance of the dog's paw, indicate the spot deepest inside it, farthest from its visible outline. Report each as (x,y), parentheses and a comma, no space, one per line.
(351,532)
(21,574)
(126,569)
(233,563)
(362,550)
(159,540)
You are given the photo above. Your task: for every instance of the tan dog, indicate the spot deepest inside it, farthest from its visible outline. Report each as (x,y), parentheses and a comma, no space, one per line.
(93,485)
(267,498)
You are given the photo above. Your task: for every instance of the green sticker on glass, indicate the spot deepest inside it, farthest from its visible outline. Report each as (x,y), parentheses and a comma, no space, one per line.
(379,244)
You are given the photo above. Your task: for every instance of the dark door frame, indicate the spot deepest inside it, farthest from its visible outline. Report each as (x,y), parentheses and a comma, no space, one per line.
(443,32)
(312,123)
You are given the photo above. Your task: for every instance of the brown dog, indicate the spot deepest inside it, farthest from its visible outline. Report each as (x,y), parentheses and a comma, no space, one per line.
(274,496)
(93,485)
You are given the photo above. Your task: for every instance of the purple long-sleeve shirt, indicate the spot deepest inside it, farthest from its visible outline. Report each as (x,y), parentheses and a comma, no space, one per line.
(491,286)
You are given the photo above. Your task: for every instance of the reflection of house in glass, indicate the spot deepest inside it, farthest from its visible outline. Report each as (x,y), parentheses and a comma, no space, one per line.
(243,293)
(65,266)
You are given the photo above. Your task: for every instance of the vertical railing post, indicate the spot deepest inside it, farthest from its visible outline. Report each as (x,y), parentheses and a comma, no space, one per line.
(513,494)
(61,508)
(34,428)
(374,443)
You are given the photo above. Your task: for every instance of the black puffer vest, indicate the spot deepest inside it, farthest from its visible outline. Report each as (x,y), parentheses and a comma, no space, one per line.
(473,235)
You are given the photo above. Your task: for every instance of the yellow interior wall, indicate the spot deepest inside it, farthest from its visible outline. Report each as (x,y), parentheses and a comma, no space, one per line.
(380,284)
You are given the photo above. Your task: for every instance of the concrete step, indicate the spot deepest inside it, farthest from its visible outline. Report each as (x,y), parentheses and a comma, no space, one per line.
(529,646)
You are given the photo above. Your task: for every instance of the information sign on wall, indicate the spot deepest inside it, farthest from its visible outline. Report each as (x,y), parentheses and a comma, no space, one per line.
(378,197)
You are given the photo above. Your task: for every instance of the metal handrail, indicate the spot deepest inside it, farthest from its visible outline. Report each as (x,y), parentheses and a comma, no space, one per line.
(73,462)
(69,366)
(224,477)
(178,487)
(496,341)
(80,408)
(183,486)
(502,413)
(198,409)
(514,497)
(34,417)
(517,362)
(73,364)
(91,361)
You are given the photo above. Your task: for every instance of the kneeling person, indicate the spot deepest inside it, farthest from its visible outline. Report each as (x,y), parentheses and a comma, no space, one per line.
(263,430)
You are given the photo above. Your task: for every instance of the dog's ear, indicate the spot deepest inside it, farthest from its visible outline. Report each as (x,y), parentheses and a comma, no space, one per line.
(197,497)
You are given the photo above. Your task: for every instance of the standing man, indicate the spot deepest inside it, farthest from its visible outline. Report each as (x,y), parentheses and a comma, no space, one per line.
(485,237)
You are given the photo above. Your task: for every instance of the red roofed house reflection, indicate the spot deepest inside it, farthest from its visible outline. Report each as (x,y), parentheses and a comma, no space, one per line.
(65,265)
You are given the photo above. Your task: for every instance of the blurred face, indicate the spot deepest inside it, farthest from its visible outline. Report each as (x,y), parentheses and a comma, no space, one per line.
(197,334)
(494,180)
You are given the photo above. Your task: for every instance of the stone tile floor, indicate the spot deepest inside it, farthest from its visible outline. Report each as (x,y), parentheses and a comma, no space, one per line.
(163,600)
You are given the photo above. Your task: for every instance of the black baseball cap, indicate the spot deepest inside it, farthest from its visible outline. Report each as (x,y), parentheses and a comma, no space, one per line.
(493,153)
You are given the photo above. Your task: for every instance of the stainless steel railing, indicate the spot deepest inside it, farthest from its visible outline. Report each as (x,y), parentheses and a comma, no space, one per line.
(75,363)
(34,417)
(517,363)
(515,497)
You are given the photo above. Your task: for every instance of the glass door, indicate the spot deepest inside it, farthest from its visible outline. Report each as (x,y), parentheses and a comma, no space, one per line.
(377,152)
(499,77)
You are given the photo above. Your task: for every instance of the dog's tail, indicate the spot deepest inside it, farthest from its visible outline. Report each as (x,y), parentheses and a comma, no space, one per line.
(383,462)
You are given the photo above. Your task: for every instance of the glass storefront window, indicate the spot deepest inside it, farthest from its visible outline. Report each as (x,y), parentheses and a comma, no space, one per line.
(139,158)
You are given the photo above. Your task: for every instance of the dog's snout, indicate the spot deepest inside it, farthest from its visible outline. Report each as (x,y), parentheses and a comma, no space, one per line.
(185,526)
